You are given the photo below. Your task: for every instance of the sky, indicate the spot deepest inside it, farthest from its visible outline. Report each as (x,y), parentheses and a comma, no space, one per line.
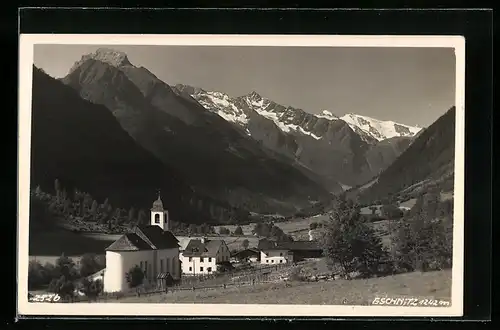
(412,86)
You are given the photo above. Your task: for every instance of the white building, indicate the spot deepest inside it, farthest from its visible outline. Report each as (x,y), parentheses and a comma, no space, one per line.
(201,256)
(153,248)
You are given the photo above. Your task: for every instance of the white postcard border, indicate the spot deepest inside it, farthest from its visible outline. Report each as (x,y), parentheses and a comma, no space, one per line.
(27,42)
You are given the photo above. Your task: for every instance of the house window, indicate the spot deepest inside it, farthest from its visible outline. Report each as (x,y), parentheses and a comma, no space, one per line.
(272,261)
(267,261)
(209,269)
(281,254)
(209,259)
(201,269)
(161,265)
(190,269)
(281,261)
(201,259)
(190,259)
(157,218)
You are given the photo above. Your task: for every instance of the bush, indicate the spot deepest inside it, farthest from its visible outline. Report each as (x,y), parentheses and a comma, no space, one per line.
(245,244)
(92,289)
(63,287)
(134,277)
(349,242)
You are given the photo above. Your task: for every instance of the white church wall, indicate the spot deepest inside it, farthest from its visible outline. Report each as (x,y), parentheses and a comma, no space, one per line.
(169,258)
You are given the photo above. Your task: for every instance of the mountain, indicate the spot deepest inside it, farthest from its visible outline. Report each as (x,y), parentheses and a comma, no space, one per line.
(339,150)
(83,146)
(378,129)
(214,157)
(427,162)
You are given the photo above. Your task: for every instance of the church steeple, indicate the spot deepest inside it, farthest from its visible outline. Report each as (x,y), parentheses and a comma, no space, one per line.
(159,216)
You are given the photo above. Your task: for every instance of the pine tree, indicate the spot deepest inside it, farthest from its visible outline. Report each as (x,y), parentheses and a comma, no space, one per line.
(93,210)
(57,187)
(131,215)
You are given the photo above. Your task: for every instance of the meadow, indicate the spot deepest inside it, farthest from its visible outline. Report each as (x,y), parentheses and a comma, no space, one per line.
(428,285)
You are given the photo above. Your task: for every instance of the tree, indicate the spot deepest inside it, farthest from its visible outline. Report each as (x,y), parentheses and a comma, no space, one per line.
(349,242)
(37,275)
(238,231)
(141,218)
(423,239)
(93,210)
(134,277)
(92,289)
(65,267)
(63,287)
(131,215)
(57,188)
(89,264)
(313,225)
(245,244)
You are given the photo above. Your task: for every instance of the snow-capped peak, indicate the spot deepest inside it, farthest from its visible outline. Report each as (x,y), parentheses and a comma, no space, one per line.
(378,129)
(327,115)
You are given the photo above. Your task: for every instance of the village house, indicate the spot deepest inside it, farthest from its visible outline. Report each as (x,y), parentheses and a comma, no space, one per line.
(153,248)
(201,256)
(248,255)
(274,252)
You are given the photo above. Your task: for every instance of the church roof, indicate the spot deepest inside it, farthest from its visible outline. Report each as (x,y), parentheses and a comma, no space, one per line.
(196,248)
(150,237)
(129,242)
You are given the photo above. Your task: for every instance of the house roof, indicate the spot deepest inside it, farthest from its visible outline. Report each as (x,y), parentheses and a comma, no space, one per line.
(196,248)
(150,237)
(245,253)
(266,244)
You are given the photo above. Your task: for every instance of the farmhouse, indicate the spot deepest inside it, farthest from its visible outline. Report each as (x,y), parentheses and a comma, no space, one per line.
(201,256)
(273,252)
(153,248)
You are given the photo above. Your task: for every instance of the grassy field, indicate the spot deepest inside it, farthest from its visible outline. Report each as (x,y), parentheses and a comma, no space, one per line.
(431,285)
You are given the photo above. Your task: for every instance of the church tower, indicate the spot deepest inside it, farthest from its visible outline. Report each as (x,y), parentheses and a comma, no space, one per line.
(159,216)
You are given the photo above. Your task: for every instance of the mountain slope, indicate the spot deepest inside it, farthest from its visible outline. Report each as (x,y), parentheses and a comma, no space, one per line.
(82,145)
(217,159)
(336,150)
(429,160)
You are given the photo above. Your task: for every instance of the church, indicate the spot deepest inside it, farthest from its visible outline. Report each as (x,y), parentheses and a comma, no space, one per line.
(153,248)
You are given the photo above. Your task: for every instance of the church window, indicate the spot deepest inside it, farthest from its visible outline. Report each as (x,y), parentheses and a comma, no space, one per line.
(281,254)
(145,267)
(161,265)
(142,268)
(190,269)
(157,218)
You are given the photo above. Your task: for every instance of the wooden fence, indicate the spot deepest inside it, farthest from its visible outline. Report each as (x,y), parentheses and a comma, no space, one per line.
(237,278)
